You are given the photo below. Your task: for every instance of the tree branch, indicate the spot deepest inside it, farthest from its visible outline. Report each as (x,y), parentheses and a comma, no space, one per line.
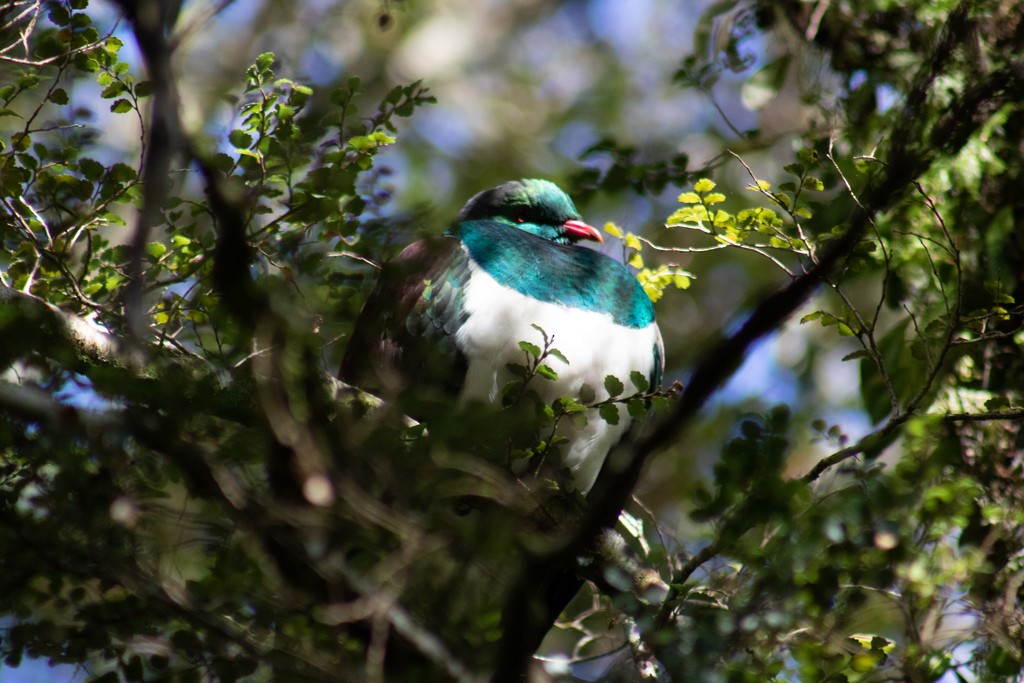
(148,21)
(83,347)
(57,334)
(993,416)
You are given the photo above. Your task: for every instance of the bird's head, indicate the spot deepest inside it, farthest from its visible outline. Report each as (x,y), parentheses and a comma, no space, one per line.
(536,206)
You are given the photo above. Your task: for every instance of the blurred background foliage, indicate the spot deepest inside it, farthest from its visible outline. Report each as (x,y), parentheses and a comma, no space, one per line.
(183,496)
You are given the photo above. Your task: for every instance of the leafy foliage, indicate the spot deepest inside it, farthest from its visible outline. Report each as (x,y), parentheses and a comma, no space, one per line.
(185,493)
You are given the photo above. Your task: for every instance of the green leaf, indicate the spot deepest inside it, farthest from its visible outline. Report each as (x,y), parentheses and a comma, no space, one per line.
(113,45)
(364,143)
(609,413)
(59,96)
(555,353)
(659,403)
(571,405)
(59,16)
(531,350)
(686,215)
(156,249)
(517,370)
(121,106)
(810,317)
(546,372)
(239,138)
(265,61)
(28,81)
(637,408)
(704,185)
(90,168)
(113,90)
(613,386)
(122,173)
(639,381)
(723,219)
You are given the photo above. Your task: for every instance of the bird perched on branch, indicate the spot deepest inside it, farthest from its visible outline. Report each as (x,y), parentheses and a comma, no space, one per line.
(450,312)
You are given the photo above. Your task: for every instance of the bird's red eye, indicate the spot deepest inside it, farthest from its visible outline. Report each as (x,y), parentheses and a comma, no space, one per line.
(520,219)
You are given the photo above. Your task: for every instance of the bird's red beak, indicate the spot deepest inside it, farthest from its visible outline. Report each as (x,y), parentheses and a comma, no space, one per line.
(582,231)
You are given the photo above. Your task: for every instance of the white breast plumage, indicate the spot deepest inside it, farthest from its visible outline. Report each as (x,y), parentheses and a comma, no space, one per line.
(499,317)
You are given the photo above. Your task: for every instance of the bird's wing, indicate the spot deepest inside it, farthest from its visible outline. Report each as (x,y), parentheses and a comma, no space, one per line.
(405,333)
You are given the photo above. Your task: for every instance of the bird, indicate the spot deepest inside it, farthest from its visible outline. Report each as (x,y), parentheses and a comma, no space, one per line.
(450,312)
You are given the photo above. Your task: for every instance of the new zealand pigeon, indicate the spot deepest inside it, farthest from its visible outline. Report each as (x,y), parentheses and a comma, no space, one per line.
(450,312)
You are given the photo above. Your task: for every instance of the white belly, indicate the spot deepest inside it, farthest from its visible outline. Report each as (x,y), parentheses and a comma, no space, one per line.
(499,318)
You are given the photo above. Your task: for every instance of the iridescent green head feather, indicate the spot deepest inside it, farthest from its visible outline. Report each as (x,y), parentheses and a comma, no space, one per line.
(538,207)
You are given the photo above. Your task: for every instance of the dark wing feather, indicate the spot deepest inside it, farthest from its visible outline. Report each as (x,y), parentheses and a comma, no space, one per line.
(405,332)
